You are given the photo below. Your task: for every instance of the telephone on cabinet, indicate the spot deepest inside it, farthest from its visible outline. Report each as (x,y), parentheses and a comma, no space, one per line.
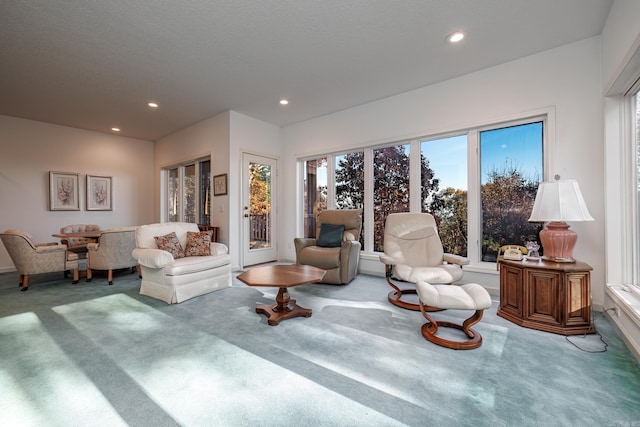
(514,252)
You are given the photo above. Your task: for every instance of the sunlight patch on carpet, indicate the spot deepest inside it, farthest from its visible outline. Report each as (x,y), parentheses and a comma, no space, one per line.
(209,381)
(47,388)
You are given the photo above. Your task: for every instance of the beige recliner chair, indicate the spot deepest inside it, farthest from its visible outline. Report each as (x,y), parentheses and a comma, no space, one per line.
(37,258)
(413,252)
(112,252)
(336,248)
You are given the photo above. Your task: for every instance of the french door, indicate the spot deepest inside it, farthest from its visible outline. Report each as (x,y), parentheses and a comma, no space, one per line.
(258,209)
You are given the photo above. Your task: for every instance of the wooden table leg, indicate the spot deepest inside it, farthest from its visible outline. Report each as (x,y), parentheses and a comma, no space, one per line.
(284,308)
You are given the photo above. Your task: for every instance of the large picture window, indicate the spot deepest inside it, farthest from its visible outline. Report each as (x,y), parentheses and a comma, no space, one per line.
(480,185)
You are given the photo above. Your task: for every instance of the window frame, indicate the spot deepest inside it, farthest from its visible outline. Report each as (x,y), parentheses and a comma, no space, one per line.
(181,167)
(474,224)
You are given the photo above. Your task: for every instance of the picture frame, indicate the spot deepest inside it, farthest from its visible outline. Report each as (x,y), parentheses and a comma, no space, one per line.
(220,185)
(64,191)
(99,193)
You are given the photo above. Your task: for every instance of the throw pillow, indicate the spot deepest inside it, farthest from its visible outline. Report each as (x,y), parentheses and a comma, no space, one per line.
(198,244)
(330,235)
(171,244)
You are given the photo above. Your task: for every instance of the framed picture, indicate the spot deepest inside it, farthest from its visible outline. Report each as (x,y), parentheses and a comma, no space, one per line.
(220,185)
(99,196)
(64,192)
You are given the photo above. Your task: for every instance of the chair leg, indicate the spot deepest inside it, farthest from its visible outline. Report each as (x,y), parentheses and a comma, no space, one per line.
(24,282)
(76,276)
(89,275)
(110,277)
(430,329)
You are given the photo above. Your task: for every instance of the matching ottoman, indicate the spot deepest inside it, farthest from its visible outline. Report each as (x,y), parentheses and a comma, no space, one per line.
(470,296)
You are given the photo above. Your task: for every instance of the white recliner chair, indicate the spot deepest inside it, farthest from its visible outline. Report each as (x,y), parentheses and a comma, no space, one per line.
(173,277)
(413,252)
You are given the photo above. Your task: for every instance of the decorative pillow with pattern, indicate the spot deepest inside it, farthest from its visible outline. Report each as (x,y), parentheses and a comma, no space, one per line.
(198,244)
(171,244)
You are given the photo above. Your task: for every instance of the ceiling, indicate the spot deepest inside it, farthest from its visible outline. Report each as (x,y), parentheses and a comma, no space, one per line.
(94,64)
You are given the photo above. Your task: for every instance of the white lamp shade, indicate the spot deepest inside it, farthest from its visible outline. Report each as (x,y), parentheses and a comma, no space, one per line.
(559,201)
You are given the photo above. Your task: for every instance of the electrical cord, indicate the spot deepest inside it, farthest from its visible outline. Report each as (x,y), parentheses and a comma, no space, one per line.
(596,331)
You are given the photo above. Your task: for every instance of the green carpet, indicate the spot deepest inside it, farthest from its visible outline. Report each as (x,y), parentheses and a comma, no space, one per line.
(97,355)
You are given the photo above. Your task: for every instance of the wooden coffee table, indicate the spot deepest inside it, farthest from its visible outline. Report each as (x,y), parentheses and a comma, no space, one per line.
(282,276)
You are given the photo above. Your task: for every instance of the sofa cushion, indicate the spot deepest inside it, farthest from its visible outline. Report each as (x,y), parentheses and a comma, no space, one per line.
(194,264)
(198,243)
(330,235)
(171,244)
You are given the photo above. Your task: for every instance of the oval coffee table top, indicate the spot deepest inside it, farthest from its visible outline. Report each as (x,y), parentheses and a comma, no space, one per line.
(282,275)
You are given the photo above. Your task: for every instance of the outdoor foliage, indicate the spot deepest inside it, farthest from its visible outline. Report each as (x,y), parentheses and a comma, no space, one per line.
(391,184)
(507,200)
(259,189)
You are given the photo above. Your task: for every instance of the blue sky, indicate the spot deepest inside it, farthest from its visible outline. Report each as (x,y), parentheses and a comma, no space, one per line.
(518,146)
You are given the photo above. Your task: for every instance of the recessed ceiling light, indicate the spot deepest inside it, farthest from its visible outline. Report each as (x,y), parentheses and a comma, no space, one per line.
(115,129)
(152,104)
(284,102)
(455,37)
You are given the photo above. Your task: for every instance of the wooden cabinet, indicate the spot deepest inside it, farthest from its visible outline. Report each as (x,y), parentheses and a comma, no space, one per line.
(548,296)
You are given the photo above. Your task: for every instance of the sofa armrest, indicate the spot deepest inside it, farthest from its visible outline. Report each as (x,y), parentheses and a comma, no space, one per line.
(152,258)
(455,259)
(92,246)
(218,248)
(302,242)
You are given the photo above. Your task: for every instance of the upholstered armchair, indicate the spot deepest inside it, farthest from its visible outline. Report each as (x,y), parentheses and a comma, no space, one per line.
(79,244)
(413,252)
(336,248)
(112,252)
(37,258)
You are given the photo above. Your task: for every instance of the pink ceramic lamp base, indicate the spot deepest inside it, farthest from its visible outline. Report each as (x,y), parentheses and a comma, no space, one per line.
(558,242)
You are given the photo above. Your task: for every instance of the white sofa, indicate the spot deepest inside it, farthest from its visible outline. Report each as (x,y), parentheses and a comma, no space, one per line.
(177,280)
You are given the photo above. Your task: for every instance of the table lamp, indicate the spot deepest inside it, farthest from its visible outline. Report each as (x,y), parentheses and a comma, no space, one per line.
(557,202)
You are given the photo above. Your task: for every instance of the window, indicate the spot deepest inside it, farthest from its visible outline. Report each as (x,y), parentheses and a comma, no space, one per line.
(510,171)
(315,193)
(444,189)
(480,185)
(188,192)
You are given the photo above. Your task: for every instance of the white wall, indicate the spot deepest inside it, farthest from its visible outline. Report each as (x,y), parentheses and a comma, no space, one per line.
(620,39)
(209,137)
(225,136)
(31,149)
(249,135)
(565,80)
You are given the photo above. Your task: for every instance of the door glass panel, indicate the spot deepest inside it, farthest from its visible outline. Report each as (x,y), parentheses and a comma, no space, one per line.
(259,206)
